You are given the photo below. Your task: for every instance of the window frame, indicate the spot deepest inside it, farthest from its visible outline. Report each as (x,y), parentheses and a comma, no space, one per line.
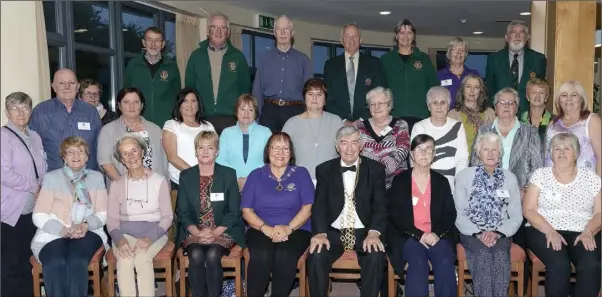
(333,46)
(254,59)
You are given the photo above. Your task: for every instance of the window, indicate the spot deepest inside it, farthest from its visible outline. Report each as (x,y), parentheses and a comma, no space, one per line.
(319,55)
(96,66)
(254,46)
(49,15)
(133,24)
(54,58)
(474,60)
(322,51)
(91,23)
(170,35)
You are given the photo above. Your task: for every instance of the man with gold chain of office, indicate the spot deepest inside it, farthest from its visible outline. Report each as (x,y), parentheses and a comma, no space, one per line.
(349,213)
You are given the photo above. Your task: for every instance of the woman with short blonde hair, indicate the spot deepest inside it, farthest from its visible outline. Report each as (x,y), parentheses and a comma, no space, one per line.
(452,75)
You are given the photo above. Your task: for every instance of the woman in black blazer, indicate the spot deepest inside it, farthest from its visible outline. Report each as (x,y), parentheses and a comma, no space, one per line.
(421,224)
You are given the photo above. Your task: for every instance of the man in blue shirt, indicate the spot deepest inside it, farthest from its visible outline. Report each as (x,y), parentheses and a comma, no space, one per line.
(280,77)
(63,116)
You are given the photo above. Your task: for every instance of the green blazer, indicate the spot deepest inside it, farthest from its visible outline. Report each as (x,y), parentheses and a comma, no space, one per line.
(370,75)
(159,91)
(498,74)
(234,80)
(227,212)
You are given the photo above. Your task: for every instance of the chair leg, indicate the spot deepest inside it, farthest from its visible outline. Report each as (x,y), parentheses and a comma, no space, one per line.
(521,280)
(302,280)
(111,279)
(534,281)
(96,279)
(238,279)
(37,290)
(461,278)
(391,280)
(168,279)
(182,267)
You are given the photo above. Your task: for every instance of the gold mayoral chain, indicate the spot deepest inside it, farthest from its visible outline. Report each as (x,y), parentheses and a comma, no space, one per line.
(348,220)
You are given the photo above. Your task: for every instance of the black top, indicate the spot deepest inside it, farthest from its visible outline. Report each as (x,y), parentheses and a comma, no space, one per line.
(153,67)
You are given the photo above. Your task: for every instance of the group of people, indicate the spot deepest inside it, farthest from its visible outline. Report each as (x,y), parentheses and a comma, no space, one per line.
(304,165)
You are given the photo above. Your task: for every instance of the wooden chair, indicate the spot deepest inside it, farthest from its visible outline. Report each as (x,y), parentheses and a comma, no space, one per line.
(171,233)
(162,261)
(230,263)
(538,270)
(392,278)
(93,273)
(301,274)
(517,268)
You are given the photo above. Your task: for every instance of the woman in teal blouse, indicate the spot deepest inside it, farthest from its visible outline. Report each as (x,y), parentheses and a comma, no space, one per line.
(241,146)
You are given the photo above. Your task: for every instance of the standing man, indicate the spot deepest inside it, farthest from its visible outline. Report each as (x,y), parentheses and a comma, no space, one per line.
(280,77)
(350,76)
(349,213)
(63,116)
(157,77)
(410,73)
(219,72)
(514,65)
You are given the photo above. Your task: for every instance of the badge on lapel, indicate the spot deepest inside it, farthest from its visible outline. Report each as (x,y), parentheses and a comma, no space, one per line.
(232,66)
(291,187)
(368,82)
(164,75)
(417,65)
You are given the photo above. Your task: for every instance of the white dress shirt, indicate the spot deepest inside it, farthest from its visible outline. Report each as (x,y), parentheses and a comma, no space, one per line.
(348,183)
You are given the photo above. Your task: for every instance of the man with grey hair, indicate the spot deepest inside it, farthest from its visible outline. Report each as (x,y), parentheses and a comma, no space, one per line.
(347,97)
(218,86)
(281,74)
(515,65)
(349,213)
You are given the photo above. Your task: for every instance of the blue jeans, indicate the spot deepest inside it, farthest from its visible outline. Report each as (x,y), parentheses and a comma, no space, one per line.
(442,258)
(65,265)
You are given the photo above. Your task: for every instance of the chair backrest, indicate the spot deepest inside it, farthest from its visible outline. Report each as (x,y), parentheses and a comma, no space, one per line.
(172,232)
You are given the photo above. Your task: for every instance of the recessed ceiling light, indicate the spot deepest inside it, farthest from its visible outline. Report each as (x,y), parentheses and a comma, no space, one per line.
(385,13)
(525,13)
(477,32)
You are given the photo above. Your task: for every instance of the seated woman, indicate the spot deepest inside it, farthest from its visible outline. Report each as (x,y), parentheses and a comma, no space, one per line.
(421,224)
(488,213)
(451,155)
(241,146)
(313,132)
(208,209)
(90,91)
(386,139)
(472,107)
(138,218)
(70,213)
(563,207)
(276,203)
(179,133)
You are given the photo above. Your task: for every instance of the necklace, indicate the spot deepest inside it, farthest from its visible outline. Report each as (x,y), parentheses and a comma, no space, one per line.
(317,139)
(279,187)
(132,199)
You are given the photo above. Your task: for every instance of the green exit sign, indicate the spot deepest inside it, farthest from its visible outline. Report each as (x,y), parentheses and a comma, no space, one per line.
(266,22)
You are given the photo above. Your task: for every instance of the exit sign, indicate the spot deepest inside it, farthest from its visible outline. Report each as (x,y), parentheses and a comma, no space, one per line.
(266,22)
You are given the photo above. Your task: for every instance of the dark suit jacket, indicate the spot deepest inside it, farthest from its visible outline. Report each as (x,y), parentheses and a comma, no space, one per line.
(227,212)
(498,74)
(369,75)
(370,197)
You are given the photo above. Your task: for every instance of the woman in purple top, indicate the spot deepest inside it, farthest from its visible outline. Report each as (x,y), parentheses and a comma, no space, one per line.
(276,203)
(23,165)
(451,76)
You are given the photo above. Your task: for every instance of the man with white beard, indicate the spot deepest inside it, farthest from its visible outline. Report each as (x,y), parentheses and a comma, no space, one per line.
(515,65)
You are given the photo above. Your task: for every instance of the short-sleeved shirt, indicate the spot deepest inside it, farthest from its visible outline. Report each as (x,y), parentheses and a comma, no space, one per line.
(184,144)
(278,207)
(567,207)
(54,123)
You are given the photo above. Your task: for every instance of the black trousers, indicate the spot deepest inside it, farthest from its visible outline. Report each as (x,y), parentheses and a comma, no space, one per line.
(319,265)
(15,252)
(205,271)
(274,116)
(558,264)
(221,122)
(276,259)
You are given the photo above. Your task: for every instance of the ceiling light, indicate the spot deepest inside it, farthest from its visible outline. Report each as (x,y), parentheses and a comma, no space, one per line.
(385,13)
(525,13)
(477,32)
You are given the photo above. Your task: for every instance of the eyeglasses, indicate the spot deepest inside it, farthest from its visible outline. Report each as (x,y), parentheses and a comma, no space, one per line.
(379,104)
(91,95)
(280,149)
(220,28)
(506,103)
(153,41)
(75,152)
(17,109)
(427,151)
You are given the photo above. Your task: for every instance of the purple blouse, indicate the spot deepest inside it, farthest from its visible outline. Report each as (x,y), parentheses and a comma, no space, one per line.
(278,207)
(452,82)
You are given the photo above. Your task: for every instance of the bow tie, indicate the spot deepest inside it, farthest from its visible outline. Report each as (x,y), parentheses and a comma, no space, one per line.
(350,168)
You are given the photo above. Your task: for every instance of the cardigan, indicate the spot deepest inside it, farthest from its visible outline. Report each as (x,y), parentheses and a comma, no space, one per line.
(231,146)
(226,211)
(55,201)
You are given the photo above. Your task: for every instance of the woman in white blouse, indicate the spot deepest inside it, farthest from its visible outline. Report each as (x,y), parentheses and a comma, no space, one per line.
(563,205)
(179,133)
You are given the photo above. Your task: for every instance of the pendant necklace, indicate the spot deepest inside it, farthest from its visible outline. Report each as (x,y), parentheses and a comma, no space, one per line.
(312,130)
(279,187)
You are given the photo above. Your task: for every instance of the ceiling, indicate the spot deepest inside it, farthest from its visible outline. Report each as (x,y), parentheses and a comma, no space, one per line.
(430,17)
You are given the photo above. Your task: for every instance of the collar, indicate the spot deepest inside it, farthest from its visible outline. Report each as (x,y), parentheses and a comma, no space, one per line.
(251,127)
(76,103)
(147,59)
(356,163)
(516,123)
(14,128)
(284,54)
(355,56)
(520,53)
(217,49)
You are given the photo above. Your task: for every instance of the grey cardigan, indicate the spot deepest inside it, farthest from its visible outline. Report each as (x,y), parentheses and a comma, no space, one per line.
(513,211)
(526,154)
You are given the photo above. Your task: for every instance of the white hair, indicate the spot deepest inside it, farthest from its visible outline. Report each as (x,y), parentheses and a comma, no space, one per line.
(346,131)
(284,17)
(506,90)
(517,23)
(380,91)
(438,92)
(219,15)
(137,139)
(489,137)
(353,24)
(566,138)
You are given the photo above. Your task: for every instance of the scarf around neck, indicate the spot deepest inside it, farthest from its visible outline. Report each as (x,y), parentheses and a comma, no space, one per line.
(77,179)
(485,207)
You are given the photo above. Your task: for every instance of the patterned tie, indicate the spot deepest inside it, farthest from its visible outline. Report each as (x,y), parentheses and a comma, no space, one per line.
(348,220)
(351,81)
(514,71)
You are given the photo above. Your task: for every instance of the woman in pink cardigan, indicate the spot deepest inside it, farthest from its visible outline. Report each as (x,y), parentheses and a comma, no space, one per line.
(70,213)
(140,214)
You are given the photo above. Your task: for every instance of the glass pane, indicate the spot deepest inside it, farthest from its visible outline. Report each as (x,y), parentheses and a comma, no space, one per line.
(91,65)
(246,48)
(262,46)
(91,23)
(340,50)
(477,62)
(49,15)
(378,53)
(319,55)
(170,35)
(133,24)
(55,64)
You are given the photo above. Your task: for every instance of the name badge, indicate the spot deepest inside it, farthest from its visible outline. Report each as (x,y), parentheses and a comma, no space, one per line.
(217,197)
(503,193)
(83,126)
(385,130)
(415,201)
(446,82)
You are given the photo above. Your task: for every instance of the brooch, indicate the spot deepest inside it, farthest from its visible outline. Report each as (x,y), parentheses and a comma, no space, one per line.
(368,82)
(290,187)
